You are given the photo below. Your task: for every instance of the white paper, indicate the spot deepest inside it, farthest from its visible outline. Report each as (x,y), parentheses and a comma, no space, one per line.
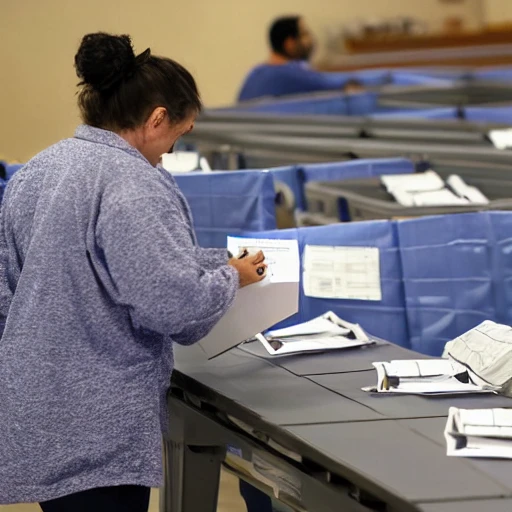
(502,139)
(479,433)
(486,350)
(301,346)
(261,305)
(180,161)
(326,332)
(281,256)
(418,182)
(423,377)
(462,189)
(342,272)
(419,368)
(318,325)
(443,197)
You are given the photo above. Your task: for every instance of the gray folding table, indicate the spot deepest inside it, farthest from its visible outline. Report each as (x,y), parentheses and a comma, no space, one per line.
(307,417)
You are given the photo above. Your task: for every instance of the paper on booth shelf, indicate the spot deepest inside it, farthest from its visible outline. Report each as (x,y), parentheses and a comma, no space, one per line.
(443,197)
(261,305)
(502,139)
(462,189)
(342,272)
(419,182)
(479,433)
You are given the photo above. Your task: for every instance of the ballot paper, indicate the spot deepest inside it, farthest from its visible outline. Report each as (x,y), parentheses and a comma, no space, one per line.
(462,189)
(261,305)
(342,272)
(418,182)
(443,197)
(424,377)
(479,433)
(324,333)
(429,189)
(502,139)
(486,352)
(281,256)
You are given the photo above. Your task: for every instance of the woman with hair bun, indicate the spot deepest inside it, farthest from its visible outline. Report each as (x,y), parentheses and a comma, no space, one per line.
(100,274)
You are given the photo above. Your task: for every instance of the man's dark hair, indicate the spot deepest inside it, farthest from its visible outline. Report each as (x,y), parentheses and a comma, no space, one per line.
(120,90)
(280,30)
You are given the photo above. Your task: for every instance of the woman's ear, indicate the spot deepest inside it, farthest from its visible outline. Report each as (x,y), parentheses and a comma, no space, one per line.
(157,117)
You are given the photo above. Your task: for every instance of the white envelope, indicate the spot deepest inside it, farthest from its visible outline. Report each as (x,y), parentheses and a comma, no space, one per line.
(258,306)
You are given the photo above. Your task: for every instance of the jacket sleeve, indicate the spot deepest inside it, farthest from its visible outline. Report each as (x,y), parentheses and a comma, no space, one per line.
(156,270)
(7,279)
(212,258)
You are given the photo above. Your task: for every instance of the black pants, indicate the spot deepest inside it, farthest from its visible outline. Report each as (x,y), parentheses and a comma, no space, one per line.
(255,500)
(124,498)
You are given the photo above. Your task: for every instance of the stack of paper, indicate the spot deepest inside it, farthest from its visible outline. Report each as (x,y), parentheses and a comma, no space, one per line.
(429,189)
(486,352)
(326,332)
(479,433)
(424,377)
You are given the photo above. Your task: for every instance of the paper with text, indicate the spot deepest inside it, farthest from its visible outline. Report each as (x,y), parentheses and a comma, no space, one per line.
(281,256)
(342,272)
(261,305)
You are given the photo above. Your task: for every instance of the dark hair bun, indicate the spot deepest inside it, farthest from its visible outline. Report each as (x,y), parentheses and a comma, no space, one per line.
(103,60)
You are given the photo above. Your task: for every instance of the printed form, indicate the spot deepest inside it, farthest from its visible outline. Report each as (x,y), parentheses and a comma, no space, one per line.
(342,272)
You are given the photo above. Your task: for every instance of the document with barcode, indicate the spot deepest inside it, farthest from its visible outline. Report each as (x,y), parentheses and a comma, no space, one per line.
(342,272)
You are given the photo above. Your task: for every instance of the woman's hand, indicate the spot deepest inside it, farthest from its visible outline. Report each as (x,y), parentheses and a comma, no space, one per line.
(251,269)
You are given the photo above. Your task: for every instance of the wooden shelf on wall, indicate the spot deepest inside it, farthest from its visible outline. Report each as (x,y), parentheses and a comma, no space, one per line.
(388,43)
(492,46)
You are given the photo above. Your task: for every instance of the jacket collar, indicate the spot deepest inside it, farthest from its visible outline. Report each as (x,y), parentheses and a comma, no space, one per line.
(108,138)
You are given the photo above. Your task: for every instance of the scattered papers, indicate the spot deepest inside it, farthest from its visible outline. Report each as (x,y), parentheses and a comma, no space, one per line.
(424,377)
(260,305)
(327,332)
(479,433)
(429,189)
(342,272)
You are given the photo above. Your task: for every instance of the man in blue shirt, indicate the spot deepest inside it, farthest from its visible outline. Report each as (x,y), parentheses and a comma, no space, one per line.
(287,71)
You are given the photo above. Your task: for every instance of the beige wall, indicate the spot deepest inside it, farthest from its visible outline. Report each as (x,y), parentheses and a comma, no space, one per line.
(218,40)
(498,11)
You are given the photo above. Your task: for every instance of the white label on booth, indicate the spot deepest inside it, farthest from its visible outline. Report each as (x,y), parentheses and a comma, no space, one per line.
(342,272)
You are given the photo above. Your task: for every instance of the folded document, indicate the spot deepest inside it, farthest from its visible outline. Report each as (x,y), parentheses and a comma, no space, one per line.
(424,377)
(479,433)
(326,332)
(486,352)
